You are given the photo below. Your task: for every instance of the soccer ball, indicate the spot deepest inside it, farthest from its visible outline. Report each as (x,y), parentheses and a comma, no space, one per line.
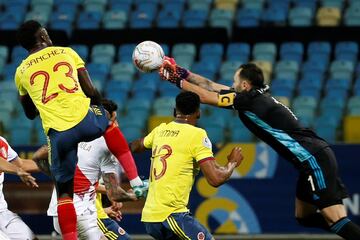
(148,56)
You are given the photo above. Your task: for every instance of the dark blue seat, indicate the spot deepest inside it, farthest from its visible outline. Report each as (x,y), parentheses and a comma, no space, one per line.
(125,52)
(248,17)
(194,18)
(347,51)
(292,51)
(275,15)
(238,51)
(89,20)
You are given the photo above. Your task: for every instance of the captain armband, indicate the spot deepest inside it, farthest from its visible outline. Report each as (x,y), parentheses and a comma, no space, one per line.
(226,99)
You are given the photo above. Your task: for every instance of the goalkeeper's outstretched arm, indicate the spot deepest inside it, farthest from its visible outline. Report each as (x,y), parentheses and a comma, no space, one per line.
(206,83)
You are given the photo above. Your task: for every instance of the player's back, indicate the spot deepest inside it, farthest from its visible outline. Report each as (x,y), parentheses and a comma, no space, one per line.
(176,148)
(50,78)
(277,125)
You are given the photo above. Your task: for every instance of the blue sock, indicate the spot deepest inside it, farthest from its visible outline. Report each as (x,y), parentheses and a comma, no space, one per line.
(345,228)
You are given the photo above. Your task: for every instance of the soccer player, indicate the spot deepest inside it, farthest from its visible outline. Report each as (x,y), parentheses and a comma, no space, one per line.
(10,223)
(179,151)
(319,190)
(54,83)
(95,161)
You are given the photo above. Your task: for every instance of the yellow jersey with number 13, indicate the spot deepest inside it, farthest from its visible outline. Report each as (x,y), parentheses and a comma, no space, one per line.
(50,78)
(177,151)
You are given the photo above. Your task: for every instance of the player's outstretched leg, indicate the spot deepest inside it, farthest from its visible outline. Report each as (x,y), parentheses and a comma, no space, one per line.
(66,210)
(332,218)
(339,222)
(307,215)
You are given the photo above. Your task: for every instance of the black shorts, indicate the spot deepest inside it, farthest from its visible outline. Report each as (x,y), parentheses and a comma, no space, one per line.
(319,183)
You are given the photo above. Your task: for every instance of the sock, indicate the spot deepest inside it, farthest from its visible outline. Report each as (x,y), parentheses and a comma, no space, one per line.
(67,218)
(118,146)
(345,228)
(315,220)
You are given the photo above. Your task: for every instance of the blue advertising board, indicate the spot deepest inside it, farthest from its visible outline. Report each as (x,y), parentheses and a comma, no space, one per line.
(259,198)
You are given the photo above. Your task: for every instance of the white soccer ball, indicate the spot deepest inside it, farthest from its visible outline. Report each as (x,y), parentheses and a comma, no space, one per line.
(148,56)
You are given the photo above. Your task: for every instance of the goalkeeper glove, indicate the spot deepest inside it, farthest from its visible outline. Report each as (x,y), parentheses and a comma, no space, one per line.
(172,72)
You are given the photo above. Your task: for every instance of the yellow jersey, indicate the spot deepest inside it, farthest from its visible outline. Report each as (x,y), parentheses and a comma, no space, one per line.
(177,150)
(99,208)
(50,78)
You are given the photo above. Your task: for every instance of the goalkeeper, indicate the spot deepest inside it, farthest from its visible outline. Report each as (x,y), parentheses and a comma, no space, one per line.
(319,191)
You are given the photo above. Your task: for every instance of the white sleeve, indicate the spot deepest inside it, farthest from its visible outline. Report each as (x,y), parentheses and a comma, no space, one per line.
(109,165)
(11,154)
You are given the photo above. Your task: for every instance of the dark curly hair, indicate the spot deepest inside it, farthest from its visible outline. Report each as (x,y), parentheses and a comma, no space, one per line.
(187,102)
(26,34)
(253,74)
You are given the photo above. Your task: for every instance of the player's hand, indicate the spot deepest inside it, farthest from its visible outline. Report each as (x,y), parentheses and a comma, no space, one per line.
(27,178)
(115,208)
(173,73)
(236,156)
(115,214)
(182,72)
(40,157)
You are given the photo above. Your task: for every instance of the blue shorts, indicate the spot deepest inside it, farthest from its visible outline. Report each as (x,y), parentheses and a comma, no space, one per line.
(178,226)
(63,145)
(112,230)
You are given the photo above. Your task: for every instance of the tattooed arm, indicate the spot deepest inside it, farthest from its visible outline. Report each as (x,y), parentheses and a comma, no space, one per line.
(205,83)
(114,190)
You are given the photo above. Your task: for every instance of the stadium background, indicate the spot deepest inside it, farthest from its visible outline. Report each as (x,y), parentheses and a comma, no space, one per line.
(307,49)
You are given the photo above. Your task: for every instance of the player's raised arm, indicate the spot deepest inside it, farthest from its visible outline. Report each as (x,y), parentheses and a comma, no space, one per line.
(194,78)
(30,110)
(27,165)
(13,169)
(208,91)
(215,174)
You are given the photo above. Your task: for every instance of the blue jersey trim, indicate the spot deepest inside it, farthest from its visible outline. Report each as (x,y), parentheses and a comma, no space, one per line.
(299,151)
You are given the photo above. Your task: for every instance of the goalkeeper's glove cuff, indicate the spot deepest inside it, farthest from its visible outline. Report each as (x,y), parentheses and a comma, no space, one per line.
(182,72)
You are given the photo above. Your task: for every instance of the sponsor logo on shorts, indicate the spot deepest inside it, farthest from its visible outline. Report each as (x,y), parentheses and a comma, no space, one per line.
(201,236)
(121,231)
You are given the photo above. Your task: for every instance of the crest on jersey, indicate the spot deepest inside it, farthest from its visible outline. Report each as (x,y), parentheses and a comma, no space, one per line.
(3,153)
(121,231)
(207,142)
(201,236)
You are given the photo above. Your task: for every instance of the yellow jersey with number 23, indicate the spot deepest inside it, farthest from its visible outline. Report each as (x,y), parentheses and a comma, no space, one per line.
(50,78)
(177,151)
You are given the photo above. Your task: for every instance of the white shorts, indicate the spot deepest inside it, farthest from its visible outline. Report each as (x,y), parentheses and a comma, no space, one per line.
(86,225)
(14,227)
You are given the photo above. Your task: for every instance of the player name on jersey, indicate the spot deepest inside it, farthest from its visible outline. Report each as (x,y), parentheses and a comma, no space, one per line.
(43,57)
(169,133)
